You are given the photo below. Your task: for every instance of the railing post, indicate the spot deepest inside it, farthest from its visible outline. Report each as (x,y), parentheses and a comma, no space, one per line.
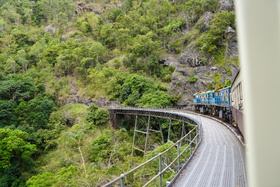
(197,137)
(122,180)
(169,129)
(198,133)
(134,134)
(190,144)
(183,130)
(160,169)
(179,162)
(147,134)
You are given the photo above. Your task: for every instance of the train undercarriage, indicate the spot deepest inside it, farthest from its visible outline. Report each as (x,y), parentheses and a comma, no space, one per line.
(220,111)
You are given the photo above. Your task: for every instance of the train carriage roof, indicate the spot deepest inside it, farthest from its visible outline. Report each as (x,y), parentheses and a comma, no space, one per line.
(198,93)
(210,91)
(222,88)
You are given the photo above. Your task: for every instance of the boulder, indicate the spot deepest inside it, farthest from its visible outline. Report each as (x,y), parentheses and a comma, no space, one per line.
(226,5)
(171,61)
(50,29)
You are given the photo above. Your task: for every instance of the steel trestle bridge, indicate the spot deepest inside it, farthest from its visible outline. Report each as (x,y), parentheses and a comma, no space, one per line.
(209,154)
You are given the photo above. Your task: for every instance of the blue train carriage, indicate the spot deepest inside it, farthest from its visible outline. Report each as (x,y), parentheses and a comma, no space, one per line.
(197,97)
(203,101)
(222,103)
(210,96)
(214,102)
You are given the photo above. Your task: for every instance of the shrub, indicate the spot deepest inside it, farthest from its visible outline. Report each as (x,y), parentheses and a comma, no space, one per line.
(176,46)
(97,116)
(192,79)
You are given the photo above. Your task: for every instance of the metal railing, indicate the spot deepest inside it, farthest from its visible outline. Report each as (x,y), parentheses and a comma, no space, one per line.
(190,141)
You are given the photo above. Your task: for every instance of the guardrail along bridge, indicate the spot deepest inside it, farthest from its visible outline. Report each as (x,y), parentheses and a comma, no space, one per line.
(207,153)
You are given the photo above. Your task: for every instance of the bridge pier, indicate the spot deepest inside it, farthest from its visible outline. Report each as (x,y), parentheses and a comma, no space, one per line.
(144,127)
(115,119)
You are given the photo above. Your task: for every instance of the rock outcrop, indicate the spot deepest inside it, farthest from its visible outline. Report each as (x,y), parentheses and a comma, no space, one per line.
(195,72)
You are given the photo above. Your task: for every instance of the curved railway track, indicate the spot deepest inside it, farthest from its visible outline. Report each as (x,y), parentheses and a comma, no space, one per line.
(219,160)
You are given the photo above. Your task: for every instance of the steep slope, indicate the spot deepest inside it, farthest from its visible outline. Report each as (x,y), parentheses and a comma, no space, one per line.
(208,58)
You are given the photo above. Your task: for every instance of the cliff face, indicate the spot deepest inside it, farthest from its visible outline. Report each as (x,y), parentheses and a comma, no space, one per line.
(196,71)
(205,76)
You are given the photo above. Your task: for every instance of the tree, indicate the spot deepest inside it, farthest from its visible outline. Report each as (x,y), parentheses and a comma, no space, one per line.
(66,176)
(36,51)
(212,41)
(66,62)
(22,60)
(97,116)
(144,45)
(52,8)
(16,87)
(13,145)
(51,53)
(134,87)
(7,115)
(12,66)
(194,10)
(140,91)
(155,99)
(97,51)
(39,110)
(3,25)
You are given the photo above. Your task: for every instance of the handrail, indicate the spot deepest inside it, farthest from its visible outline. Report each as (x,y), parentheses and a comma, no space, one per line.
(178,157)
(196,138)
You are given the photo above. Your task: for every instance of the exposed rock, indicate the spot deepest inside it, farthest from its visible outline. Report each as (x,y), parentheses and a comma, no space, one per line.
(72,35)
(63,38)
(50,29)
(82,7)
(192,64)
(213,68)
(232,47)
(230,32)
(204,21)
(179,81)
(227,5)
(183,71)
(171,61)
(191,58)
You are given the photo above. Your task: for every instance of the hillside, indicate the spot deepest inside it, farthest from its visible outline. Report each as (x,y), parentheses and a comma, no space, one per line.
(58,57)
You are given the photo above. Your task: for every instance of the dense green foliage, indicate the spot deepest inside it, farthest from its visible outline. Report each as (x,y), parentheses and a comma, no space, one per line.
(15,158)
(140,91)
(97,116)
(210,39)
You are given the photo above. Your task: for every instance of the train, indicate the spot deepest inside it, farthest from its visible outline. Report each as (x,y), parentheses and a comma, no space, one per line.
(224,102)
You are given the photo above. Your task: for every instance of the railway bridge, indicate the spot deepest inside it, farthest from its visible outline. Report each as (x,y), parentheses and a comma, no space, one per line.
(208,154)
